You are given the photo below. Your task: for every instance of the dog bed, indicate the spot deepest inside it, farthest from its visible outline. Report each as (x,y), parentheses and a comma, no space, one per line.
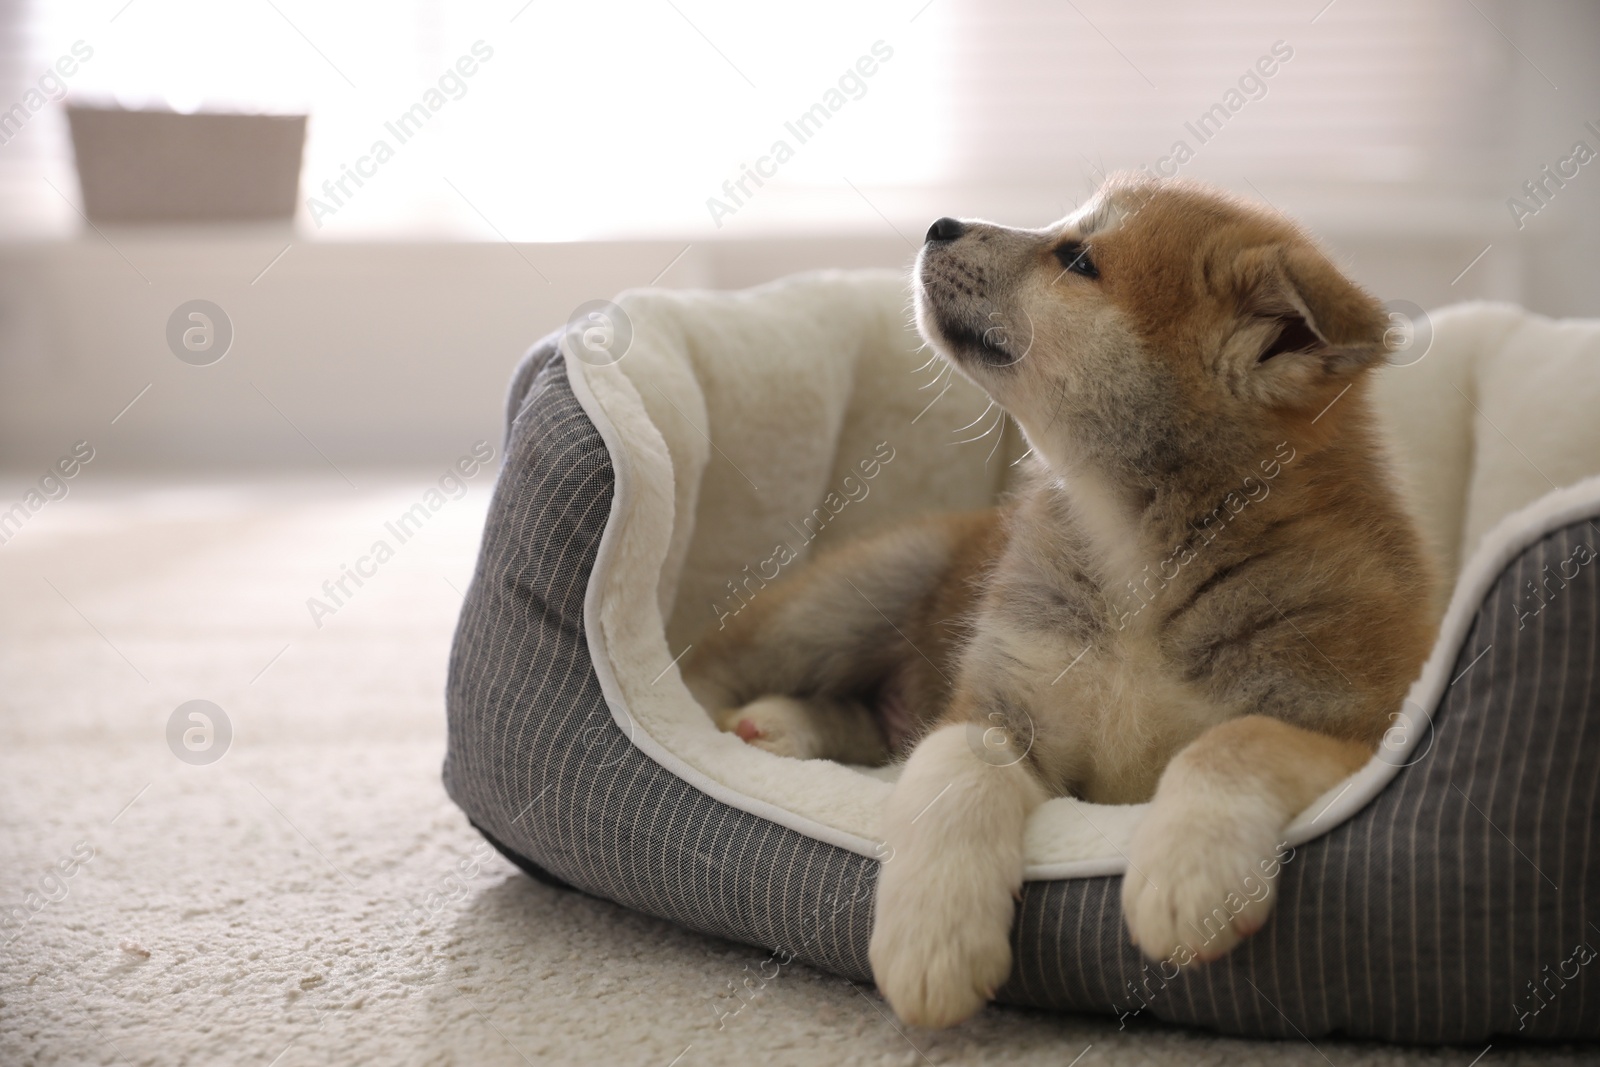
(1446,892)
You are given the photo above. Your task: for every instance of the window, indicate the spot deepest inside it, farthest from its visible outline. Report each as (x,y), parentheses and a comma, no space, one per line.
(647,117)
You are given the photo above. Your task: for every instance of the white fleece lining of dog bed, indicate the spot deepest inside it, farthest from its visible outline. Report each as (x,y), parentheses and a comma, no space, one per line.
(634,583)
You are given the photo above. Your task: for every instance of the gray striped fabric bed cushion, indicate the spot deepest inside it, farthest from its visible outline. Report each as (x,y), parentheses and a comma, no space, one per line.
(1462,903)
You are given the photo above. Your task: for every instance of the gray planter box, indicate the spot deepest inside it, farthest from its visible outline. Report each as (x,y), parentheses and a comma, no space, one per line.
(162,166)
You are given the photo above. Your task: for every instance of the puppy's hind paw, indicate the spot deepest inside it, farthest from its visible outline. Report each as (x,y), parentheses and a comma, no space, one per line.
(781,725)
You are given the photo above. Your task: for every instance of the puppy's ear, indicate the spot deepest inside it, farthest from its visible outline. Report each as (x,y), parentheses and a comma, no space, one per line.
(1303,317)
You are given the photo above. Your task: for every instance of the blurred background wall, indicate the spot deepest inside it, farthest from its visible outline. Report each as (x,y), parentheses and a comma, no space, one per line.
(599,147)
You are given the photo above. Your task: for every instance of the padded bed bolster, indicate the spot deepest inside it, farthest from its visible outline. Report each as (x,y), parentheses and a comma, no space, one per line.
(537,760)
(1461,903)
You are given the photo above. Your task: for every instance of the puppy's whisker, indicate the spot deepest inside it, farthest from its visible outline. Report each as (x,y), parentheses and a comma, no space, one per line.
(999,419)
(931,361)
(971,440)
(981,416)
(937,378)
(1020,458)
(998,439)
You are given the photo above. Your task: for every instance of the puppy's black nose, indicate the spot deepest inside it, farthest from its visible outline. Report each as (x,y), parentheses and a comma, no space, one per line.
(945,229)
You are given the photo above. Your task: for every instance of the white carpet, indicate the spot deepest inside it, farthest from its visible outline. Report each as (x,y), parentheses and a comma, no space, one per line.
(294,902)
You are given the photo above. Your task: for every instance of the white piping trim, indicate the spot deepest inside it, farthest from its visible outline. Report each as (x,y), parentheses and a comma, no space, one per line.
(1506,540)
(599,653)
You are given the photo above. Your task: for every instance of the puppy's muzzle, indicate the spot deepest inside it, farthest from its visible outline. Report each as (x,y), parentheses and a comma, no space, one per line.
(958,285)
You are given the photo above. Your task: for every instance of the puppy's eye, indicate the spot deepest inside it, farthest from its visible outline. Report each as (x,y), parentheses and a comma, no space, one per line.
(1074,257)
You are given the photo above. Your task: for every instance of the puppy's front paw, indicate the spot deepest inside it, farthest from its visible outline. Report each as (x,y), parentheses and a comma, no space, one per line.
(941,939)
(781,725)
(1200,879)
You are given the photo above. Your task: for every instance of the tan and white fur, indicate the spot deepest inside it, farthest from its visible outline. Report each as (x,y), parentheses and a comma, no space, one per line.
(1206,593)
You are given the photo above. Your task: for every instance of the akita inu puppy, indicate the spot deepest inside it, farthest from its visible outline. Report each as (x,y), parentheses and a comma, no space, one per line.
(1207,592)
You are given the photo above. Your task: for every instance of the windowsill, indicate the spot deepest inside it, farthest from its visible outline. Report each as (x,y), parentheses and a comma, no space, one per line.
(902,213)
